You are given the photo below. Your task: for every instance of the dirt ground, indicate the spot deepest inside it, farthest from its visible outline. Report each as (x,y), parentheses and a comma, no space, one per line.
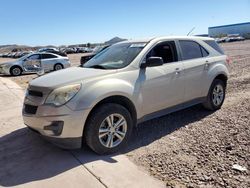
(195,147)
(23,80)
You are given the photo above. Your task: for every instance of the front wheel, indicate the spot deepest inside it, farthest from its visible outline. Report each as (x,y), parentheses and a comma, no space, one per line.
(15,71)
(108,128)
(216,95)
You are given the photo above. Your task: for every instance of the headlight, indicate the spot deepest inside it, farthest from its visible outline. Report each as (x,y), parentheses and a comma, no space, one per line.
(5,65)
(63,94)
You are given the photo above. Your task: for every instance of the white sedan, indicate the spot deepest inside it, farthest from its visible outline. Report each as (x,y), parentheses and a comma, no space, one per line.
(31,63)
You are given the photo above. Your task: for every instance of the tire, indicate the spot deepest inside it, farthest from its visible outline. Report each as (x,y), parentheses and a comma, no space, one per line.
(217,90)
(58,66)
(98,122)
(15,71)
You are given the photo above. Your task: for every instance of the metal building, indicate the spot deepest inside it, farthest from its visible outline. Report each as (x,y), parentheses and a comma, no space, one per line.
(240,28)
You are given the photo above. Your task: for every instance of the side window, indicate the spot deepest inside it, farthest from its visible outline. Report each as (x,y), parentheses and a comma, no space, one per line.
(190,50)
(166,50)
(34,57)
(48,56)
(204,52)
(214,45)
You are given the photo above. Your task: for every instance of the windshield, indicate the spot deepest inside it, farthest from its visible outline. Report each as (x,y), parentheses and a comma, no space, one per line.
(24,57)
(116,56)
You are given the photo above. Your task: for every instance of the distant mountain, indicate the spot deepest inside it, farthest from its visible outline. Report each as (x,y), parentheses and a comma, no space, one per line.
(114,40)
(15,48)
(4,46)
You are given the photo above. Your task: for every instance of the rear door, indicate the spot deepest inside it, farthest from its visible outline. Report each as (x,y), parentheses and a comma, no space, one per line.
(195,64)
(48,61)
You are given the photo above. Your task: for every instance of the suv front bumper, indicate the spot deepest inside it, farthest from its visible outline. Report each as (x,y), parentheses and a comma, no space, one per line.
(59,125)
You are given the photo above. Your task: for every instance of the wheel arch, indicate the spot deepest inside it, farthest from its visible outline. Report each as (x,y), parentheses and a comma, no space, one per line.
(222,77)
(13,66)
(117,99)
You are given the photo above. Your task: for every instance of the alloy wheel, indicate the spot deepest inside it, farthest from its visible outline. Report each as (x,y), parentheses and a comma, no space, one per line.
(16,71)
(58,67)
(113,130)
(218,95)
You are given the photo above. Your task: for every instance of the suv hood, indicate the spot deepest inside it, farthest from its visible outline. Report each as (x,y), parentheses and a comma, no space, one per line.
(68,76)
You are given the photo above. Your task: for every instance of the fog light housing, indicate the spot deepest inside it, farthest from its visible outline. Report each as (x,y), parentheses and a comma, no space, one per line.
(55,127)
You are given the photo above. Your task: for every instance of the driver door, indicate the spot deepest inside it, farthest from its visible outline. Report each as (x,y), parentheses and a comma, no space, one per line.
(163,86)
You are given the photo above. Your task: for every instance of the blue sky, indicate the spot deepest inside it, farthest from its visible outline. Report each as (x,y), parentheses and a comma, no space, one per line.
(58,22)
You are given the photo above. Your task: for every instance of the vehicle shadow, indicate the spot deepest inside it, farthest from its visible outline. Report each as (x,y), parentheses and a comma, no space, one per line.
(152,130)
(25,157)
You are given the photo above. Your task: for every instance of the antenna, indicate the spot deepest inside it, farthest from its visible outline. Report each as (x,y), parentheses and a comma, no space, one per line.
(190,31)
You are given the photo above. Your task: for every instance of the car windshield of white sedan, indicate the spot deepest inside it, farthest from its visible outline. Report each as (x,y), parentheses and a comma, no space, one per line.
(24,57)
(116,56)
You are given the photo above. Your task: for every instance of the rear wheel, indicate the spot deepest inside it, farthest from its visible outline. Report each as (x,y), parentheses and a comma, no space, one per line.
(108,128)
(58,66)
(216,95)
(15,71)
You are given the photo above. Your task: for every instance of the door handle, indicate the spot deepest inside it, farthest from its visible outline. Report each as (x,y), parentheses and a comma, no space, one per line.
(206,65)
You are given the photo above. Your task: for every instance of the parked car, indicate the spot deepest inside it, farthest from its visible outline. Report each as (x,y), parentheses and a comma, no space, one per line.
(53,50)
(69,50)
(230,38)
(31,62)
(86,57)
(9,54)
(220,40)
(26,53)
(4,55)
(80,50)
(47,49)
(128,83)
(233,39)
(17,55)
(240,38)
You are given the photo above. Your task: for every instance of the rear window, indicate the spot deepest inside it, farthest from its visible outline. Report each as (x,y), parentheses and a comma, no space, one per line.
(214,45)
(48,56)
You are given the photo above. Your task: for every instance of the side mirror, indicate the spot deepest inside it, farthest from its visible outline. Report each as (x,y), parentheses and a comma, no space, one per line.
(152,62)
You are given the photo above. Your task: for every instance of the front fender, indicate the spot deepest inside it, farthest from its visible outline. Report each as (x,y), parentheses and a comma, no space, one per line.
(93,93)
